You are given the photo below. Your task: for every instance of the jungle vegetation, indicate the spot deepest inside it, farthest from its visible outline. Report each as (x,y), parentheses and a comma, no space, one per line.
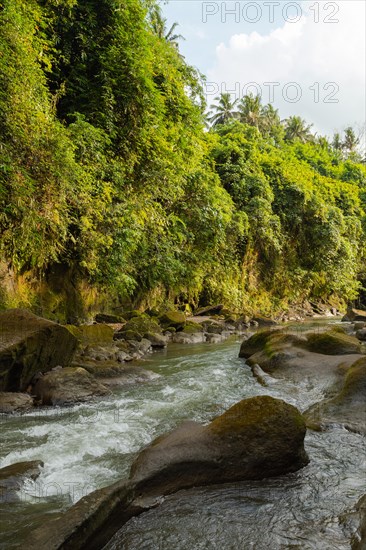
(111,181)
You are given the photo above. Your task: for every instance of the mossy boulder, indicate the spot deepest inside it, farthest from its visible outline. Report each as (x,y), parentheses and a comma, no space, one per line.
(270,341)
(143,324)
(192,328)
(256,438)
(67,386)
(14,402)
(92,334)
(332,342)
(175,319)
(348,407)
(287,355)
(30,344)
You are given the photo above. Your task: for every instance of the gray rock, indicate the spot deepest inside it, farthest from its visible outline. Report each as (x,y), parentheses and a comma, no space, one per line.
(12,402)
(184,338)
(361,334)
(13,477)
(347,407)
(68,386)
(30,344)
(157,340)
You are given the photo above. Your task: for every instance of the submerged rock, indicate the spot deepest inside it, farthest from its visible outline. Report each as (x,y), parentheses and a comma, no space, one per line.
(256,438)
(28,345)
(13,477)
(68,386)
(13,402)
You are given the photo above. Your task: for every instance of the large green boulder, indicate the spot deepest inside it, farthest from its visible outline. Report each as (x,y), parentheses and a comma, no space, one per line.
(257,438)
(29,345)
(175,319)
(332,342)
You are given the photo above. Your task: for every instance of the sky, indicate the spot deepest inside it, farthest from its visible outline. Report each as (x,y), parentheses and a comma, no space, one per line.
(307,58)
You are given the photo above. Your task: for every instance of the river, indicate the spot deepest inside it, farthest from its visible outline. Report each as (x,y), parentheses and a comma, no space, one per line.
(92,445)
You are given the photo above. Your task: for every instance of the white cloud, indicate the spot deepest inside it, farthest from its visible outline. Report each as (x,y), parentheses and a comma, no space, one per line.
(305,52)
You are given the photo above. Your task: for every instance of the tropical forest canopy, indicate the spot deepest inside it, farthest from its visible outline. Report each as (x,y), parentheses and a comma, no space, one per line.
(113,174)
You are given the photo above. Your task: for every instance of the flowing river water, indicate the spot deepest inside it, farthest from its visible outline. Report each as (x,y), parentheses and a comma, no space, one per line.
(89,446)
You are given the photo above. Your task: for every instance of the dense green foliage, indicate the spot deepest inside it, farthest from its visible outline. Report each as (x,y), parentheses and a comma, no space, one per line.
(106,170)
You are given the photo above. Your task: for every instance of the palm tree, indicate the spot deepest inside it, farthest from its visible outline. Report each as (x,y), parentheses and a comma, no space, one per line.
(337,142)
(350,140)
(269,119)
(159,26)
(225,110)
(250,110)
(296,129)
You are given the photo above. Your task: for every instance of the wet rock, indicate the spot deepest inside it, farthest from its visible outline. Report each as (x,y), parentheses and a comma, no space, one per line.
(157,340)
(68,386)
(129,375)
(348,407)
(30,344)
(12,402)
(184,338)
(359,325)
(112,373)
(359,541)
(256,438)
(215,338)
(90,523)
(12,478)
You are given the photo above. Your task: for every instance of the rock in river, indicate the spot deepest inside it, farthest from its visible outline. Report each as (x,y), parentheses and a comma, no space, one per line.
(67,386)
(13,402)
(348,407)
(28,345)
(256,438)
(12,478)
